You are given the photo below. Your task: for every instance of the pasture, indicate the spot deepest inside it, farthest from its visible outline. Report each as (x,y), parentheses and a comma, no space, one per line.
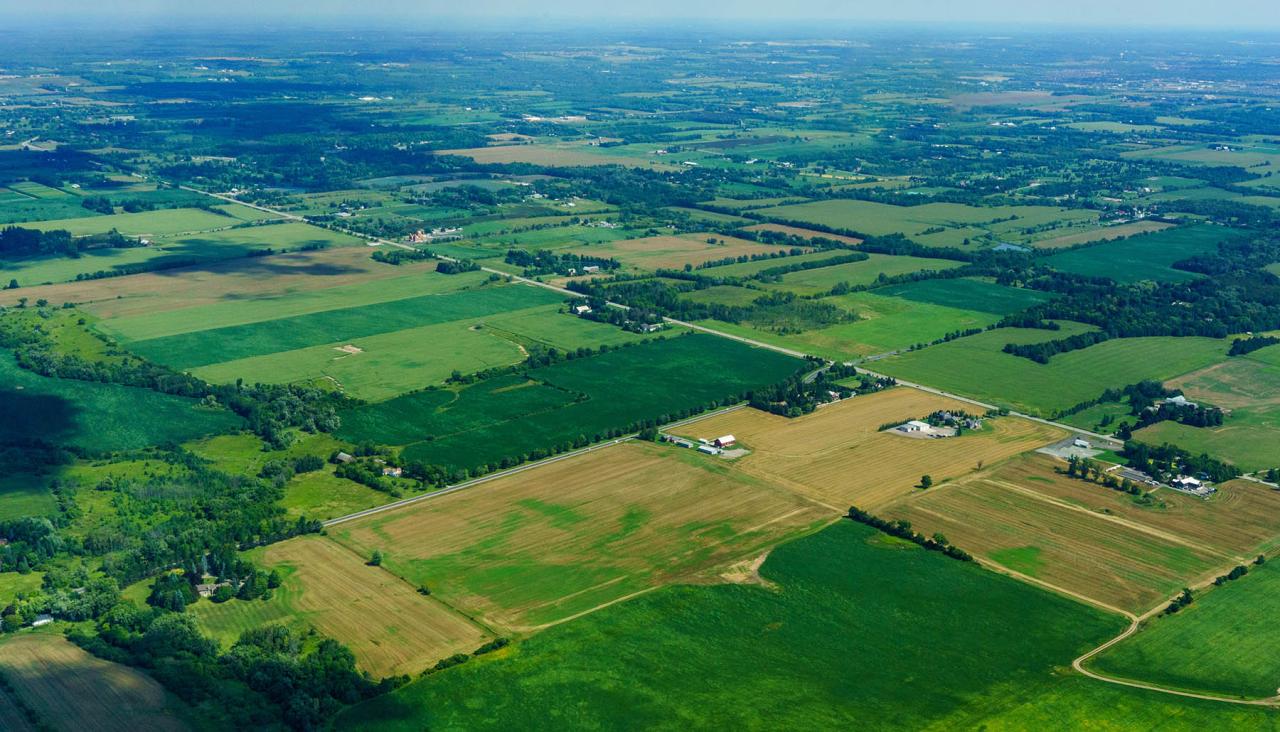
(839,457)
(822,279)
(1144,256)
(217,282)
(797,231)
(174,252)
(1090,540)
(560,540)
(72,690)
(96,416)
(572,401)
(885,324)
(567,156)
(389,627)
(840,643)
(1108,233)
(160,222)
(192,349)
(959,221)
(674,252)
(1223,643)
(976,367)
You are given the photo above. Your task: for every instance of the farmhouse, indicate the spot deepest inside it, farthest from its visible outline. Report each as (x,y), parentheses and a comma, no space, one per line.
(726,441)
(591,268)
(1194,486)
(581,309)
(392,472)
(650,327)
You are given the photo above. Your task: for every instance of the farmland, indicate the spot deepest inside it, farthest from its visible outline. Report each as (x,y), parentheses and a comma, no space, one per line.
(1218,645)
(839,457)
(826,650)
(822,279)
(1249,388)
(1145,256)
(330,589)
(510,416)
(674,252)
(959,223)
(70,689)
(975,367)
(548,544)
(1090,540)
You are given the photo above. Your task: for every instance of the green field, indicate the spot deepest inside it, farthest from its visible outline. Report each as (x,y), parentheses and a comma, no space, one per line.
(95,416)
(969,294)
(1223,643)
(959,220)
(855,631)
(577,400)
(1248,388)
(1143,257)
(815,281)
(976,367)
(228,343)
(161,222)
(886,324)
(180,251)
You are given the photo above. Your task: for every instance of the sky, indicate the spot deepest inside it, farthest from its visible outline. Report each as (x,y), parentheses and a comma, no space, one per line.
(1240,14)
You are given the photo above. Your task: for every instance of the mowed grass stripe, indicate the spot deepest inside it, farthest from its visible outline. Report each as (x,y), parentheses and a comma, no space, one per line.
(201,348)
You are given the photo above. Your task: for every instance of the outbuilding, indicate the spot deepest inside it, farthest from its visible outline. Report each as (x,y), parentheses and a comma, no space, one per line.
(726,441)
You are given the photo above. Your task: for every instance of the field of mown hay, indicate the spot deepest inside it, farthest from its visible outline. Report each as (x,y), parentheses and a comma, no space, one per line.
(389,627)
(1090,540)
(72,690)
(547,544)
(807,233)
(838,456)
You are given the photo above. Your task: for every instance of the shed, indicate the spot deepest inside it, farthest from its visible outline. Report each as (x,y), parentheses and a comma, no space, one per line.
(41,620)
(343,457)
(708,449)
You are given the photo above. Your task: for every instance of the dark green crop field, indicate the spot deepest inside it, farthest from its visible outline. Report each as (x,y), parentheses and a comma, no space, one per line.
(1145,256)
(860,632)
(97,417)
(201,348)
(571,401)
(969,294)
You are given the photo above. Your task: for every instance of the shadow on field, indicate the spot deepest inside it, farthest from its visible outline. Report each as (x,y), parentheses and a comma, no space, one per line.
(36,418)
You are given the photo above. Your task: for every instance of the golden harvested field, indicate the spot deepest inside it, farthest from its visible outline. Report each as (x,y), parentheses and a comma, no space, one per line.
(1240,520)
(1107,234)
(807,233)
(1092,541)
(550,543)
(72,690)
(838,456)
(389,627)
(187,287)
(674,252)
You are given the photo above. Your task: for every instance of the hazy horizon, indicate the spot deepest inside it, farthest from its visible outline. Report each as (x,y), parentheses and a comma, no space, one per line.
(1239,15)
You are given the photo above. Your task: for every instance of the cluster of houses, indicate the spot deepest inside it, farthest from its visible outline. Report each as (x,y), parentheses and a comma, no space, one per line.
(389,471)
(950,425)
(446,234)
